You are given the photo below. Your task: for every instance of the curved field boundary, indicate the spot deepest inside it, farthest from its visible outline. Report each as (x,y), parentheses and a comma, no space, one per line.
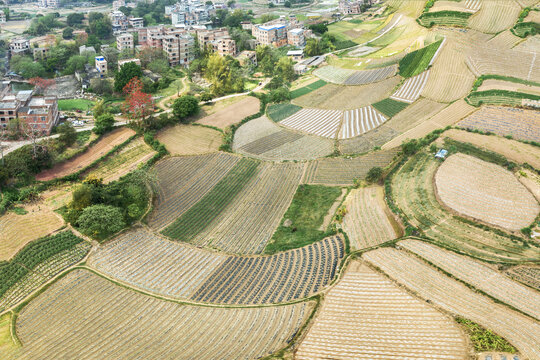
(233,113)
(428,283)
(496,61)
(147,261)
(493,18)
(318,122)
(83,316)
(485,191)
(528,275)
(368,221)
(343,172)
(479,275)
(410,91)
(519,123)
(183,181)
(270,142)
(341,76)
(366,316)
(359,121)
(414,193)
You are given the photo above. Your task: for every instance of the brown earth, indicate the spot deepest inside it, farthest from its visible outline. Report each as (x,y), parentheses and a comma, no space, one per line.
(233,113)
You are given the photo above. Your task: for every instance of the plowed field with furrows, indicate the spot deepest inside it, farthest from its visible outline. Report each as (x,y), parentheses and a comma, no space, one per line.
(183,181)
(528,275)
(270,142)
(410,91)
(338,75)
(84,316)
(149,262)
(366,316)
(318,122)
(453,296)
(359,121)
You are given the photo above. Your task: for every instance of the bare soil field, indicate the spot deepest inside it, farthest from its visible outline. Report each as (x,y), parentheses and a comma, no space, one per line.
(366,316)
(339,97)
(511,149)
(493,84)
(369,141)
(529,275)
(233,113)
(495,16)
(368,221)
(93,318)
(18,230)
(415,114)
(190,140)
(458,299)
(505,40)
(103,146)
(479,275)
(486,192)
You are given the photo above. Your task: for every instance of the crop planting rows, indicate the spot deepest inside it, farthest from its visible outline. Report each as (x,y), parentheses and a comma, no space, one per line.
(183,181)
(315,121)
(249,221)
(368,221)
(452,296)
(519,64)
(500,97)
(149,262)
(414,194)
(473,4)
(341,76)
(359,121)
(269,142)
(485,191)
(479,275)
(340,171)
(527,275)
(445,18)
(494,19)
(84,316)
(410,91)
(366,316)
(520,124)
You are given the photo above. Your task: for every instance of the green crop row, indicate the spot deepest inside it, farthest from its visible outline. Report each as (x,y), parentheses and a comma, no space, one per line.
(418,61)
(307,89)
(390,107)
(449,18)
(499,97)
(278,112)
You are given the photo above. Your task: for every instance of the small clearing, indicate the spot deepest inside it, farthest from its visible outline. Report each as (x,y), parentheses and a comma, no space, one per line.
(190,139)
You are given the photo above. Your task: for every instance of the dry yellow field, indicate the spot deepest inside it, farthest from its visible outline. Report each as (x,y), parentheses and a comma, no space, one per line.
(504,40)
(415,114)
(410,8)
(229,114)
(366,316)
(495,16)
(190,140)
(18,230)
(493,84)
(6,343)
(531,180)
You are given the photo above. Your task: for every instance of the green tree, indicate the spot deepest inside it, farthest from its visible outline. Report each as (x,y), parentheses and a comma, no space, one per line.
(104,123)
(26,67)
(410,147)
(279,95)
(75,19)
(185,106)
(101,221)
(125,74)
(67,33)
(224,74)
(75,63)
(68,134)
(284,68)
(374,175)
(101,86)
(313,47)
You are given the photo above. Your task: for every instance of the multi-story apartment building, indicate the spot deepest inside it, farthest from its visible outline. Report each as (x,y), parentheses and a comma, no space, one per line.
(101,65)
(271,34)
(295,37)
(176,43)
(136,22)
(117,4)
(125,61)
(225,46)
(124,41)
(119,21)
(48,3)
(40,53)
(217,40)
(18,46)
(352,6)
(2,17)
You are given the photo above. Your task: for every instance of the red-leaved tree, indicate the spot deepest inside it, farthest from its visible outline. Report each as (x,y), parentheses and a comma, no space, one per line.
(138,104)
(41,84)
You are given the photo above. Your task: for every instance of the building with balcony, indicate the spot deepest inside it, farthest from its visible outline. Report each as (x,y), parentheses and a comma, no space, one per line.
(124,42)
(101,65)
(295,37)
(19,46)
(270,34)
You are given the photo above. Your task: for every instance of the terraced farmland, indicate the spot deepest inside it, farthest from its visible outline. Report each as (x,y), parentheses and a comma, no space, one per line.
(410,91)
(495,18)
(343,172)
(485,191)
(366,316)
(341,76)
(519,64)
(92,318)
(414,194)
(478,275)
(318,122)
(368,221)
(190,140)
(528,275)
(458,299)
(183,181)
(177,270)
(519,123)
(359,121)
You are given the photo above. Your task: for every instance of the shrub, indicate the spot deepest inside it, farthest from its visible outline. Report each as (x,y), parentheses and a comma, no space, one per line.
(104,123)
(410,147)
(185,106)
(374,175)
(101,221)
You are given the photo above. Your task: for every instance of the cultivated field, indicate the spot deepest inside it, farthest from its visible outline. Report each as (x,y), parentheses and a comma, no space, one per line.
(504,40)
(448,5)
(478,275)
(103,146)
(367,142)
(414,193)
(519,123)
(183,181)
(177,270)
(410,91)
(233,113)
(343,172)
(415,114)
(526,274)
(248,222)
(263,139)
(190,140)
(84,316)
(318,122)
(486,192)
(366,316)
(359,121)
(495,17)
(18,230)
(489,60)
(458,299)
(495,84)
(368,221)
(341,76)
(124,161)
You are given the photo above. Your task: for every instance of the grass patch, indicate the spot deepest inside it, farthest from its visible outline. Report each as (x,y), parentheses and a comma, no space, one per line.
(483,339)
(83,137)
(75,104)
(307,211)
(446,18)
(278,112)
(418,61)
(499,97)
(198,217)
(307,89)
(454,146)
(390,107)
(478,82)
(525,29)
(6,343)
(19,210)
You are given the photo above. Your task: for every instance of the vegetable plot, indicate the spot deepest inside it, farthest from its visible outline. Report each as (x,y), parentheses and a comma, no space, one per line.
(319,122)
(410,91)
(360,121)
